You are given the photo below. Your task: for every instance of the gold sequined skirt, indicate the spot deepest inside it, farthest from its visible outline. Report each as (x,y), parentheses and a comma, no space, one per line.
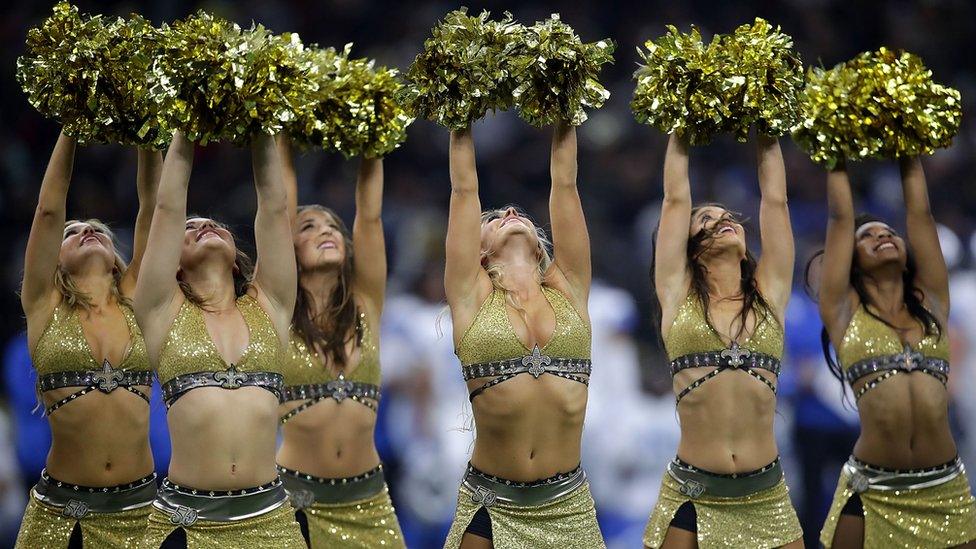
(274,529)
(765,518)
(47,526)
(566,522)
(943,515)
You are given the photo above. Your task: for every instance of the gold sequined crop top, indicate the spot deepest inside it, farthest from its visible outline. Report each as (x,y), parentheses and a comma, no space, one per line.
(490,347)
(693,343)
(307,377)
(63,358)
(870,346)
(189,359)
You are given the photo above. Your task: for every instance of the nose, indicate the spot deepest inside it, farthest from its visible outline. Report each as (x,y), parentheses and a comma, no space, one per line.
(87,230)
(510,212)
(207,224)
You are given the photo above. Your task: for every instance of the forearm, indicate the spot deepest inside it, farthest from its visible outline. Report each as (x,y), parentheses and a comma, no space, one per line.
(52,199)
(771,170)
(563,156)
(268,181)
(369,190)
(464,175)
(840,201)
(914,188)
(677,187)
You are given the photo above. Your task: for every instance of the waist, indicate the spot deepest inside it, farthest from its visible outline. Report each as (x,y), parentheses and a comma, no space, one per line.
(230,378)
(305,489)
(864,476)
(78,501)
(489,490)
(695,482)
(185,505)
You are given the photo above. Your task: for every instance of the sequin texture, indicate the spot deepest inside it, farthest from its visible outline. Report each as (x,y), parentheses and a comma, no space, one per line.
(274,529)
(366,524)
(305,367)
(568,522)
(189,348)
(46,526)
(63,347)
(491,336)
(868,337)
(929,518)
(763,519)
(691,334)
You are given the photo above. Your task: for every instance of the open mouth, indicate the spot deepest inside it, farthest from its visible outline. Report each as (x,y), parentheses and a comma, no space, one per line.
(886,246)
(726,229)
(90,239)
(327,245)
(512,220)
(207,233)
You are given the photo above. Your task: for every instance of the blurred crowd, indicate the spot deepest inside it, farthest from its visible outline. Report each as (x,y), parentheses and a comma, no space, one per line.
(425,428)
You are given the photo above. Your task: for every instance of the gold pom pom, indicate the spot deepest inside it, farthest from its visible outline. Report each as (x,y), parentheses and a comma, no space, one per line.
(881,104)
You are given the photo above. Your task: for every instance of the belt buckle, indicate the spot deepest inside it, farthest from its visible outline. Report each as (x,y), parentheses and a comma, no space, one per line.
(485,496)
(858,482)
(75,509)
(692,488)
(301,499)
(183,516)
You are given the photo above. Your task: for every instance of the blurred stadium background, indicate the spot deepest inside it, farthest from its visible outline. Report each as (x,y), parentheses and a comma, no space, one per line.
(423,434)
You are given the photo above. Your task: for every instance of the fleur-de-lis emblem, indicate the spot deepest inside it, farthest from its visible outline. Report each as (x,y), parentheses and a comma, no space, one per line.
(911,358)
(858,482)
(692,488)
(183,516)
(735,354)
(75,509)
(484,496)
(536,362)
(301,499)
(107,379)
(230,378)
(340,388)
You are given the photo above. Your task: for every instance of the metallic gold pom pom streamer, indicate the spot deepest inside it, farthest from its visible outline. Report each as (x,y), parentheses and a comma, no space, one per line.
(464,71)
(90,74)
(881,104)
(557,74)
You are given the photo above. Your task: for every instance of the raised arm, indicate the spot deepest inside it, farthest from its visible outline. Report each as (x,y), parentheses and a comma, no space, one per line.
(150,166)
(834,296)
(775,269)
(463,249)
(156,287)
(933,276)
(367,233)
(288,174)
(671,276)
(276,274)
(570,239)
(47,230)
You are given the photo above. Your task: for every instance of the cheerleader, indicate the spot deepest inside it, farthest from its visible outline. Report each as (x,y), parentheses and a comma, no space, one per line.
(522,334)
(328,459)
(93,376)
(885,308)
(720,317)
(216,336)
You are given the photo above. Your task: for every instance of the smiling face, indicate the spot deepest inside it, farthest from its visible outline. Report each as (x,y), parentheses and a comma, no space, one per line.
(500,228)
(320,239)
(85,242)
(722,230)
(205,240)
(876,245)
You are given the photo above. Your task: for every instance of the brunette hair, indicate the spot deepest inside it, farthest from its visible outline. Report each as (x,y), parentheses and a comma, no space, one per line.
(243,272)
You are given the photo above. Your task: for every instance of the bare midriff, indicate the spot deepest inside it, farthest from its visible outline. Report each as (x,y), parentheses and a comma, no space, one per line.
(329,439)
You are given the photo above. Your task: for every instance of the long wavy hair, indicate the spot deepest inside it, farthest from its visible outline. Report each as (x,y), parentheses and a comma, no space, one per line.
(74,297)
(913,297)
(243,273)
(495,271)
(331,329)
(753,301)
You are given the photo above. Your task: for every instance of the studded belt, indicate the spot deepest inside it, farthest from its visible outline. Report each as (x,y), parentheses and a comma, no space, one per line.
(695,483)
(907,361)
(862,477)
(77,501)
(185,506)
(304,490)
(733,358)
(227,379)
(340,389)
(488,490)
(535,364)
(105,380)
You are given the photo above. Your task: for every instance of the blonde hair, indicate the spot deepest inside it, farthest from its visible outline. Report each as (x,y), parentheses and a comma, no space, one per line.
(496,273)
(74,297)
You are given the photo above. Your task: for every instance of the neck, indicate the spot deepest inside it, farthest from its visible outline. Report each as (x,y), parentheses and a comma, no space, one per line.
(215,284)
(723,274)
(886,291)
(97,285)
(520,270)
(319,284)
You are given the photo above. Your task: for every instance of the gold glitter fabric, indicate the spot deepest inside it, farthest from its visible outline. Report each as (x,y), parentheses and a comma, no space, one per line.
(365,524)
(63,347)
(304,367)
(47,526)
(189,348)
(274,529)
(868,337)
(568,522)
(491,336)
(929,518)
(764,519)
(691,334)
